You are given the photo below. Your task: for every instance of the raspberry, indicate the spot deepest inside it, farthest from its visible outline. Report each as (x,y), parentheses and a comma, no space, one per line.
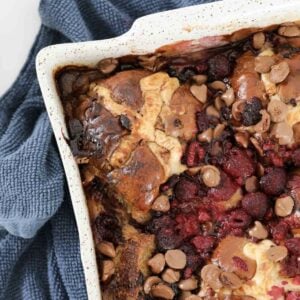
(293,296)
(280,231)
(186,189)
(203,243)
(240,263)
(224,190)
(273,182)
(255,204)
(293,245)
(296,157)
(238,219)
(167,239)
(276,292)
(194,154)
(290,266)
(203,216)
(238,163)
(187,225)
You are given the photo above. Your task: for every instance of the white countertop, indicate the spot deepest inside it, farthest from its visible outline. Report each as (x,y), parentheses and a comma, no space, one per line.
(19,24)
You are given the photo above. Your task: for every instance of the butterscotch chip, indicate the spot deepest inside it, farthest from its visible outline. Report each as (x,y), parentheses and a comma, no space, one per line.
(264,124)
(263,64)
(218,85)
(211,111)
(107,248)
(284,206)
(210,275)
(230,280)
(205,136)
(289,31)
(107,270)
(162,291)
(277,110)
(228,97)
(251,184)
(199,92)
(200,79)
(258,231)
(157,263)
(211,176)
(149,282)
(170,276)
(258,40)
(161,203)
(188,284)
(242,138)
(175,259)
(219,130)
(277,253)
(237,109)
(279,72)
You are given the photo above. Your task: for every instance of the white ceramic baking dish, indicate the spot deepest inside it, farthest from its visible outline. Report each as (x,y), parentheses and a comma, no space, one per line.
(146,35)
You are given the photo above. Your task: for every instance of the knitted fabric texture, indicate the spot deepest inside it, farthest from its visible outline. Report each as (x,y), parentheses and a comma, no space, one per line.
(39,247)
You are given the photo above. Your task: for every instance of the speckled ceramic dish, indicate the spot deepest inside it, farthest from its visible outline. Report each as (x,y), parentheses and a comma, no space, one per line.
(146,35)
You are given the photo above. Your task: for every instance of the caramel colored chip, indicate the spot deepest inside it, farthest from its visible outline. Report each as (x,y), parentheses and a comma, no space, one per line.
(188,284)
(107,270)
(258,40)
(210,275)
(230,280)
(264,124)
(107,248)
(258,231)
(219,130)
(205,136)
(263,64)
(211,111)
(242,138)
(277,110)
(149,282)
(218,85)
(211,176)
(170,276)
(277,253)
(161,203)
(229,254)
(200,79)
(157,263)
(199,92)
(289,31)
(162,291)
(175,259)
(284,206)
(237,109)
(228,97)
(279,72)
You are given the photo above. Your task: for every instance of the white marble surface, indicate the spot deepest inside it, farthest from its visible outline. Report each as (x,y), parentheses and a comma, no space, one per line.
(19,24)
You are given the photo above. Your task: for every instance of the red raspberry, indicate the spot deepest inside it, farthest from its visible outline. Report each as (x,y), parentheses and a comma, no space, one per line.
(276,292)
(293,245)
(293,296)
(187,225)
(238,163)
(296,157)
(194,154)
(203,243)
(280,231)
(240,263)
(255,204)
(274,180)
(238,218)
(224,190)
(186,189)
(203,216)
(290,266)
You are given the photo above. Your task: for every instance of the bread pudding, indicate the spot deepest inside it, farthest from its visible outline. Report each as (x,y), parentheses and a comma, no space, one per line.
(190,163)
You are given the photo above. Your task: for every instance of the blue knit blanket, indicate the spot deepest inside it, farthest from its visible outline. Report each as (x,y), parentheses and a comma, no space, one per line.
(39,248)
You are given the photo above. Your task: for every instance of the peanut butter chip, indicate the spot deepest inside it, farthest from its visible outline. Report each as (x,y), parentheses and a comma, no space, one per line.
(170,276)
(107,248)
(251,184)
(218,85)
(205,136)
(284,206)
(200,79)
(283,132)
(162,291)
(175,259)
(242,138)
(230,280)
(107,65)
(188,284)
(228,97)
(263,64)
(279,72)
(157,263)
(210,275)
(211,176)
(211,111)
(199,92)
(277,253)
(150,281)
(161,203)
(258,40)
(258,231)
(264,124)
(219,130)
(237,108)
(108,269)
(289,31)
(184,295)
(277,110)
